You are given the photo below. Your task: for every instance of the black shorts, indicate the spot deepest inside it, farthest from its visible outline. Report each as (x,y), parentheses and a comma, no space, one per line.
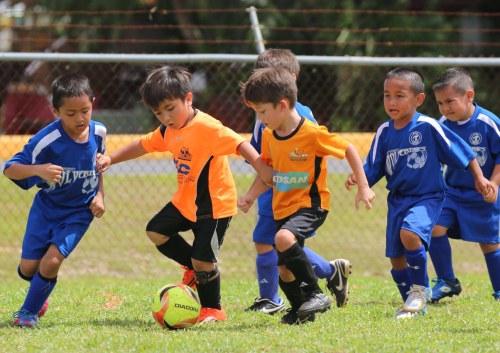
(302,224)
(208,233)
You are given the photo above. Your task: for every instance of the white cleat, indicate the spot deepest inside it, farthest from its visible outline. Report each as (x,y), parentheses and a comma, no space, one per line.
(417,299)
(402,314)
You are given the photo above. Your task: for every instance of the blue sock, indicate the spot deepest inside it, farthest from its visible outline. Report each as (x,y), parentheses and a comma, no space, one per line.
(417,266)
(268,275)
(403,281)
(440,251)
(493,264)
(321,267)
(38,293)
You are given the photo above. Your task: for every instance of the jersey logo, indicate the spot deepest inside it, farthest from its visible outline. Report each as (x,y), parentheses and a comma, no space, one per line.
(480,154)
(184,154)
(289,181)
(475,138)
(416,158)
(298,155)
(181,167)
(415,138)
(177,138)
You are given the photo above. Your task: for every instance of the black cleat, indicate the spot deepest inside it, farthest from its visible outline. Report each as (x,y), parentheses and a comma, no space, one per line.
(267,306)
(338,285)
(291,318)
(315,303)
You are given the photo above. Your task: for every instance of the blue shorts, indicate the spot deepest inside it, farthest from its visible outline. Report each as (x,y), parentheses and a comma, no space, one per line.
(469,217)
(265,230)
(417,214)
(49,224)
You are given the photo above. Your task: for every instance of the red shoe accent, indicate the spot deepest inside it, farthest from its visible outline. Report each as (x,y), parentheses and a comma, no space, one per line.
(211,315)
(44,308)
(188,278)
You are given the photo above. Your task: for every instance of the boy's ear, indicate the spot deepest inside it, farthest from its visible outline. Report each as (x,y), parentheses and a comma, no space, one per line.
(189,98)
(54,110)
(470,95)
(419,99)
(284,104)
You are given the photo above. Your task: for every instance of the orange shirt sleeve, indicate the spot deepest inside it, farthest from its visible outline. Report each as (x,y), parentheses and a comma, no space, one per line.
(328,144)
(265,153)
(223,140)
(154,142)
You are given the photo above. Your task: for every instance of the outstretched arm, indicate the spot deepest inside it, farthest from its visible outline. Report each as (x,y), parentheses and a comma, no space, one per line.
(252,156)
(246,201)
(131,151)
(49,171)
(364,194)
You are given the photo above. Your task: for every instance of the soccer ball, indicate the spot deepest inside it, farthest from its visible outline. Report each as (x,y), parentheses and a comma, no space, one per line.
(176,306)
(416,159)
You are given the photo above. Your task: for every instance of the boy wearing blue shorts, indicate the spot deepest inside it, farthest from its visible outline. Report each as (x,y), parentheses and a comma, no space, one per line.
(335,272)
(467,215)
(61,161)
(409,151)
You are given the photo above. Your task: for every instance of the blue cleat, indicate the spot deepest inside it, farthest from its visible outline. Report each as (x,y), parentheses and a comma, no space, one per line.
(443,289)
(24,318)
(496,296)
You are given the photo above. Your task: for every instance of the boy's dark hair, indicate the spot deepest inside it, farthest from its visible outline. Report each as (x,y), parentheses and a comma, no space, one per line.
(408,74)
(278,58)
(68,86)
(165,83)
(457,78)
(269,85)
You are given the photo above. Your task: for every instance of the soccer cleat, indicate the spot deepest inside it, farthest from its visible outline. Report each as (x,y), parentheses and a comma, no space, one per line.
(211,315)
(443,289)
(315,303)
(291,318)
(24,318)
(44,308)
(267,306)
(188,278)
(417,298)
(338,285)
(496,295)
(402,314)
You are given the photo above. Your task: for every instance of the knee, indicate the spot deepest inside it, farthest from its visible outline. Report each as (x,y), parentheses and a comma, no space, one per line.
(156,238)
(410,239)
(284,239)
(263,248)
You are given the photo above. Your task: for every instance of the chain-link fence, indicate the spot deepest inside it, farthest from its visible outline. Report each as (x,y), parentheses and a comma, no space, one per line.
(346,98)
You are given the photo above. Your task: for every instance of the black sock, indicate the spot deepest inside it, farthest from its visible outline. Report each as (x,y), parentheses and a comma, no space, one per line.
(293,293)
(297,262)
(209,293)
(177,249)
(26,278)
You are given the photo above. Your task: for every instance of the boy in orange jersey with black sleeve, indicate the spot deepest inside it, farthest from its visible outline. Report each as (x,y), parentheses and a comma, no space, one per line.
(206,197)
(296,147)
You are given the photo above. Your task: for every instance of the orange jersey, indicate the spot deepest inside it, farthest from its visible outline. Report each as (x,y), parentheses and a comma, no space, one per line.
(299,176)
(200,149)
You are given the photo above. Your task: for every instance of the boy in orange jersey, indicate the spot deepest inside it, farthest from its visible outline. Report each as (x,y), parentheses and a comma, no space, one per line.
(206,199)
(295,148)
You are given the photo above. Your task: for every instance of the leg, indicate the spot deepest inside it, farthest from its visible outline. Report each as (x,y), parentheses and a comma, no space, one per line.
(28,268)
(440,252)
(322,268)
(401,276)
(492,256)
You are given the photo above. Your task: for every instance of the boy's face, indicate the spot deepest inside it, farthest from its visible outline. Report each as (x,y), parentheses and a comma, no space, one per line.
(272,117)
(455,106)
(400,102)
(75,114)
(175,113)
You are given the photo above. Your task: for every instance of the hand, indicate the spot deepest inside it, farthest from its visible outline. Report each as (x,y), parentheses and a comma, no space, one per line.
(50,172)
(266,175)
(351,180)
(102,163)
(364,194)
(244,203)
(483,185)
(492,196)
(97,205)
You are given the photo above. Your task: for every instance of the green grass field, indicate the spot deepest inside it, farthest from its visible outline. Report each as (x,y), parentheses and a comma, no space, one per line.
(102,301)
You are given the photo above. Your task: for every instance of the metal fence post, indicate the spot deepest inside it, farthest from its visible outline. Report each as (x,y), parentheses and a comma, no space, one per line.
(256,29)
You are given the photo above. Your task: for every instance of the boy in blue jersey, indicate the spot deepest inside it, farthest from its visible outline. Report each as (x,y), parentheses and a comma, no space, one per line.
(410,150)
(61,161)
(336,271)
(467,215)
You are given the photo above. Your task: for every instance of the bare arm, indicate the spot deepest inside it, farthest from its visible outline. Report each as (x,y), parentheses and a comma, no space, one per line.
(131,151)
(364,194)
(246,201)
(252,156)
(483,185)
(495,180)
(97,204)
(49,172)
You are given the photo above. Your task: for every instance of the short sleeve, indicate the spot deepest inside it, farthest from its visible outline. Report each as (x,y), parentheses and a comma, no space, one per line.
(223,140)
(328,144)
(155,141)
(25,157)
(266,153)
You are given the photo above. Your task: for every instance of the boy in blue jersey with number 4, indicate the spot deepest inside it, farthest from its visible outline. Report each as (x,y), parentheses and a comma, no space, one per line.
(61,161)
(335,272)
(409,151)
(467,215)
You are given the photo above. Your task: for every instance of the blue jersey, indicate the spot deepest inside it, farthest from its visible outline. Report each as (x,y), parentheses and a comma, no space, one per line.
(265,201)
(411,158)
(482,133)
(80,181)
